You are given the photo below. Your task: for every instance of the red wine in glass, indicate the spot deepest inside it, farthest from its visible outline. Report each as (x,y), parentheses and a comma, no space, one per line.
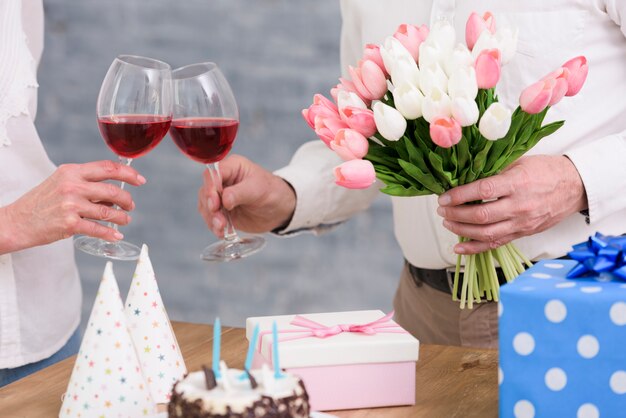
(132,136)
(206,140)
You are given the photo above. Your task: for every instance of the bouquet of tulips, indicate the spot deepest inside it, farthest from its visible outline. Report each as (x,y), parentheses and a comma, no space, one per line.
(420,113)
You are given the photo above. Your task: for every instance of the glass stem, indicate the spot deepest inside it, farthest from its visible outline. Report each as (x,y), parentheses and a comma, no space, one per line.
(230,235)
(125,161)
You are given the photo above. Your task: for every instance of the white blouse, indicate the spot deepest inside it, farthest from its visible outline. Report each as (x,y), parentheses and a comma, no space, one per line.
(594,135)
(40,294)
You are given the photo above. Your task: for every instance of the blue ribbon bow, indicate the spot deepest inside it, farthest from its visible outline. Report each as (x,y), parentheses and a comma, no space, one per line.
(600,255)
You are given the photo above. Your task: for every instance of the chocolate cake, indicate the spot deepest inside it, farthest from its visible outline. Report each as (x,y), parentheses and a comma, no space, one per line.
(239,394)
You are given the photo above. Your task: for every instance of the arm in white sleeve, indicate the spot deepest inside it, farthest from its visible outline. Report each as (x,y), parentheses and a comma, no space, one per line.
(320,203)
(602,163)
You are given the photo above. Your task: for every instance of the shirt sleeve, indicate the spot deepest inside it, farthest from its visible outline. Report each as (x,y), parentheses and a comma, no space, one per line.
(320,203)
(600,163)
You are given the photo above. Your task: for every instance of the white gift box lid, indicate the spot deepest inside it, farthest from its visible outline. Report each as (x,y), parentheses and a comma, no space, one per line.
(340,349)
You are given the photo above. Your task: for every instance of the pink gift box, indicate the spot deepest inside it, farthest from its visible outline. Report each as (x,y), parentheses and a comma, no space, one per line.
(343,369)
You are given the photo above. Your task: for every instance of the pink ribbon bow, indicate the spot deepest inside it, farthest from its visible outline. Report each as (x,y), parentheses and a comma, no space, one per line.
(315,329)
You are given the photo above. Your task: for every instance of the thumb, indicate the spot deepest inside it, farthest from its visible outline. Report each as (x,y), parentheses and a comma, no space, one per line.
(244,193)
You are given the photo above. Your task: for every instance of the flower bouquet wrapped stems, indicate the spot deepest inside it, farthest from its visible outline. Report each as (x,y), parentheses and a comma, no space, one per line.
(421,114)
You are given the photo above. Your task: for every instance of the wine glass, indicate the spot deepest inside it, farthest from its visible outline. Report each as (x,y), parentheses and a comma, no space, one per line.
(134,112)
(204,127)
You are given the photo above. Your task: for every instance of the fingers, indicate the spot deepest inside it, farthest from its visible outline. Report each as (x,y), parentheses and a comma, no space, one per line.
(209,210)
(480,214)
(108,170)
(104,213)
(94,229)
(108,193)
(475,247)
(485,189)
(490,236)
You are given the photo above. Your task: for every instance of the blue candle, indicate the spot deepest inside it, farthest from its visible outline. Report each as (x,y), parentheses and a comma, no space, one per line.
(251,350)
(277,373)
(217,336)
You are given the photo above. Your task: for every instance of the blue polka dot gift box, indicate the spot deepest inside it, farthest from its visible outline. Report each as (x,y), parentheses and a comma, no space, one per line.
(563,343)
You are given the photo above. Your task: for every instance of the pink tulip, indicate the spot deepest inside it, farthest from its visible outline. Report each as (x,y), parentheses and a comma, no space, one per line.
(560,85)
(476,24)
(411,37)
(355,174)
(445,132)
(372,53)
(369,80)
(326,128)
(346,85)
(536,97)
(349,144)
(578,70)
(321,107)
(487,67)
(361,120)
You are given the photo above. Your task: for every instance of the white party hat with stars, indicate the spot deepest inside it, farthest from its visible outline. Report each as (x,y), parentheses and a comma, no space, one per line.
(152,333)
(107,380)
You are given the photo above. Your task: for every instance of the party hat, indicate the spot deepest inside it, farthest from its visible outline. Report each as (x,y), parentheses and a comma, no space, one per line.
(152,333)
(107,380)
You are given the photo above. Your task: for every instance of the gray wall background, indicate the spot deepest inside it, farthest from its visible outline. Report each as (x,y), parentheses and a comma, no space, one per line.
(276,54)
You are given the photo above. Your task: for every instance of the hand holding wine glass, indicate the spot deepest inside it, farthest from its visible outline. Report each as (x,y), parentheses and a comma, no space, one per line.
(204,127)
(134,113)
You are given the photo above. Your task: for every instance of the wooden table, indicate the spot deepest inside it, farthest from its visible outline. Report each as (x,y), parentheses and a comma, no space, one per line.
(450,381)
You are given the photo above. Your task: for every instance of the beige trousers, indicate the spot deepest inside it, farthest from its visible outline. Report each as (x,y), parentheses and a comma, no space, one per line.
(434,318)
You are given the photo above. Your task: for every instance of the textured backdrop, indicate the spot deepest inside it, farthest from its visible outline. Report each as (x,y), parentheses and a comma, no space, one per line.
(276,54)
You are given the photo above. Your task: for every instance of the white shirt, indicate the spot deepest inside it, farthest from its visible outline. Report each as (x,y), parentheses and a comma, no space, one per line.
(594,135)
(40,294)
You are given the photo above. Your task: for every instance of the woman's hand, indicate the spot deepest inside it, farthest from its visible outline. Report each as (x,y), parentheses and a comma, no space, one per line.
(69,202)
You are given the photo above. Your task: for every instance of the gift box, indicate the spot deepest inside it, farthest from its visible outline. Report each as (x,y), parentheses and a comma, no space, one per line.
(562,343)
(358,359)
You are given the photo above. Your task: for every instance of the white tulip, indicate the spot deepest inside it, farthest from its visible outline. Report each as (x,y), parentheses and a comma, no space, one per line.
(486,40)
(408,100)
(495,122)
(348,98)
(431,77)
(389,122)
(430,54)
(443,34)
(507,41)
(405,71)
(460,57)
(464,111)
(462,83)
(436,104)
(391,51)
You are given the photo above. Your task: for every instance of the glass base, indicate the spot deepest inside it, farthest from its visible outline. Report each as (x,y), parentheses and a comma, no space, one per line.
(120,250)
(233,250)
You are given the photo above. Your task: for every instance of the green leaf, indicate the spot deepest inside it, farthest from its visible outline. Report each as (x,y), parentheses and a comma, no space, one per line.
(397,190)
(444,176)
(425,179)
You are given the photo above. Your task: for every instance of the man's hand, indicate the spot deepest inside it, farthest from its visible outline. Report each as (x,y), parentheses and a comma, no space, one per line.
(257,200)
(68,203)
(530,196)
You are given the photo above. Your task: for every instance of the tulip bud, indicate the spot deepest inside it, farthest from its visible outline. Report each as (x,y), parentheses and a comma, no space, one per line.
(475,26)
(560,85)
(355,174)
(460,57)
(465,111)
(436,105)
(495,122)
(578,70)
(372,53)
(445,132)
(392,51)
(488,68)
(326,128)
(347,98)
(369,80)
(432,77)
(431,54)
(389,122)
(408,100)
(361,120)
(411,37)
(349,144)
(536,97)
(486,40)
(443,34)
(321,107)
(462,83)
(405,71)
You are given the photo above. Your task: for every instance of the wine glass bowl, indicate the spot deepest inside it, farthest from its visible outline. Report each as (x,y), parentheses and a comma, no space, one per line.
(204,127)
(134,112)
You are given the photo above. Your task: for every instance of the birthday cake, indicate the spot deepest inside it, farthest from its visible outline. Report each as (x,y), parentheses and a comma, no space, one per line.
(238,394)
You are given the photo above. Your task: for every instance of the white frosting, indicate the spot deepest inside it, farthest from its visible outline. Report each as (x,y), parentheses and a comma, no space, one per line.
(235,392)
